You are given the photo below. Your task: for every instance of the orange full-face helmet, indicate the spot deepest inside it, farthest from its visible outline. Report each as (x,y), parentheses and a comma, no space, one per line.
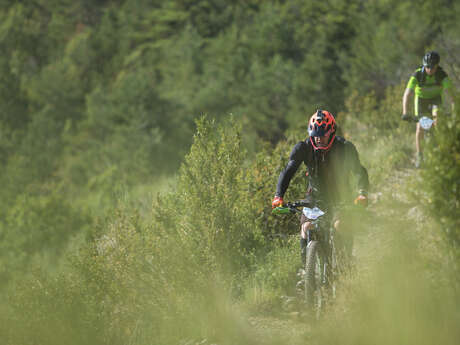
(321,124)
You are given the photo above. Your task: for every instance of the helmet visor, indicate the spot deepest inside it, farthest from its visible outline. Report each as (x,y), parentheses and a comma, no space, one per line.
(320,130)
(430,65)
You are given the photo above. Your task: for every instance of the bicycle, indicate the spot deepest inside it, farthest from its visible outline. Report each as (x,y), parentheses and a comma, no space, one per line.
(323,262)
(425,133)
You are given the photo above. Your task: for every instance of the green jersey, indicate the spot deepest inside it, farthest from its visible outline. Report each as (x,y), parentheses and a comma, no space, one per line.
(429,86)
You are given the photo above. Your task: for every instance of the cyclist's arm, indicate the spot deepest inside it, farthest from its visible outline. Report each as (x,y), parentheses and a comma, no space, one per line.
(411,84)
(409,92)
(358,170)
(406,97)
(447,88)
(295,160)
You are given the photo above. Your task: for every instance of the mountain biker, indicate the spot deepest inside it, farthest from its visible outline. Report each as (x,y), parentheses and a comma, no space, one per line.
(331,161)
(429,81)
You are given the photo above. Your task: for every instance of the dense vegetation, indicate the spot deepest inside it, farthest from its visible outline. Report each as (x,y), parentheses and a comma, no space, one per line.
(101,107)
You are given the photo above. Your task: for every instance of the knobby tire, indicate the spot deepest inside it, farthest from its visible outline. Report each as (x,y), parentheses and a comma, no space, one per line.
(313,277)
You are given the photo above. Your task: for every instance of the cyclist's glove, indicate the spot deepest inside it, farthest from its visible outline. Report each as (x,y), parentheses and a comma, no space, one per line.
(277,201)
(362,199)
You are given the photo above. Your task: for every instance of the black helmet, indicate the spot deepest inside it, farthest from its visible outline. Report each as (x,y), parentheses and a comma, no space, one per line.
(431,59)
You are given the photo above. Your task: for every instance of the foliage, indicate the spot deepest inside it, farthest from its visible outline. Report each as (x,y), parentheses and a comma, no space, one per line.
(390,40)
(441,177)
(204,238)
(210,198)
(98,103)
(37,226)
(211,241)
(384,141)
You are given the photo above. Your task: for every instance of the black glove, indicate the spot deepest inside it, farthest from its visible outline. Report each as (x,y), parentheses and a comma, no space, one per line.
(405,117)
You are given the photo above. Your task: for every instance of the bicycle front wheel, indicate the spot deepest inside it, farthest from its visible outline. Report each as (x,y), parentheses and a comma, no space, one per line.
(314,277)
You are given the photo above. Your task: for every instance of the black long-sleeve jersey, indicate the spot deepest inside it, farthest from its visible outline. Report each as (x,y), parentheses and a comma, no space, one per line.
(329,174)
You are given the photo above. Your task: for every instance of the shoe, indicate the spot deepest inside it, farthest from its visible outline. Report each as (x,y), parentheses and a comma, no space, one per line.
(418,160)
(301,273)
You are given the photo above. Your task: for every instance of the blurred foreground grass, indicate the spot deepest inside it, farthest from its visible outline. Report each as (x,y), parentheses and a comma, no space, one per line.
(403,291)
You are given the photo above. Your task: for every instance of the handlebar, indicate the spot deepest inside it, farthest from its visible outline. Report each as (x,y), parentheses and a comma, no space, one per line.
(426,122)
(292,207)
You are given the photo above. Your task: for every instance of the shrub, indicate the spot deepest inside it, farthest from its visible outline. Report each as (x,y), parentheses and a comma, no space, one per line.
(441,178)
(206,209)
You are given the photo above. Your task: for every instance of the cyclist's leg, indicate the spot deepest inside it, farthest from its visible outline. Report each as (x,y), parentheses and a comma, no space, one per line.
(436,108)
(418,139)
(419,109)
(304,226)
(343,232)
(344,239)
(434,111)
(424,107)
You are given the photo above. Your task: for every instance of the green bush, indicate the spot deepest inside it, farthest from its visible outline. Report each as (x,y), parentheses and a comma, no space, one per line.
(207,209)
(133,281)
(441,177)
